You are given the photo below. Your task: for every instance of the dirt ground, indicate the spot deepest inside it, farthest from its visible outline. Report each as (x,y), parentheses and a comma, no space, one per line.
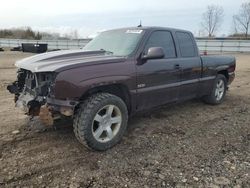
(185,145)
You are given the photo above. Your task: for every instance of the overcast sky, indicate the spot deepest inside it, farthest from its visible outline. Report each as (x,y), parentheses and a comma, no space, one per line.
(91,16)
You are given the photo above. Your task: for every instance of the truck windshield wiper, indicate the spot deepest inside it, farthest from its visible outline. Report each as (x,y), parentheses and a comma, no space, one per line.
(106,51)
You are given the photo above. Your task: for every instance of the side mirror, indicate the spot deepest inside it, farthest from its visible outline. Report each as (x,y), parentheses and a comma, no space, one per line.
(154,53)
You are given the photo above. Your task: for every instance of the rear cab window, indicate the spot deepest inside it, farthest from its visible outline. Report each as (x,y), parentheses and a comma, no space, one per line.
(186,44)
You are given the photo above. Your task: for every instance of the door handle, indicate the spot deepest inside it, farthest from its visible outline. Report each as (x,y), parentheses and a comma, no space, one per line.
(177,66)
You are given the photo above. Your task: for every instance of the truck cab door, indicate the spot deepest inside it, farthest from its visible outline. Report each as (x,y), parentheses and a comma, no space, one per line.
(158,79)
(190,65)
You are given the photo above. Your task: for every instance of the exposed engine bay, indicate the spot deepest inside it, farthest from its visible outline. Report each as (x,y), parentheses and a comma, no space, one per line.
(31,90)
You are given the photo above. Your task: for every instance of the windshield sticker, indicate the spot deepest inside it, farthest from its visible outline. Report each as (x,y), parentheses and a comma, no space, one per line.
(134,31)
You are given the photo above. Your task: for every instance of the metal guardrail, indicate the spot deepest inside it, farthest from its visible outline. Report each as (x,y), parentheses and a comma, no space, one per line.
(204,45)
(224,45)
(52,44)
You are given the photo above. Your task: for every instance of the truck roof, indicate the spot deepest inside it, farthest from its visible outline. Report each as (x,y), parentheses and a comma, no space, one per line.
(150,28)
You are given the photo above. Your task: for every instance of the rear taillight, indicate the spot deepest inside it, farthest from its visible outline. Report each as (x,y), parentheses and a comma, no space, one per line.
(232,68)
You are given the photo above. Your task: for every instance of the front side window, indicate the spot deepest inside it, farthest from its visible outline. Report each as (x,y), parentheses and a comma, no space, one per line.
(120,42)
(186,44)
(162,39)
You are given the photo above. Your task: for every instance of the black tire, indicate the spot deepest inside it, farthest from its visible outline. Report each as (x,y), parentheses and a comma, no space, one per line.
(212,99)
(84,120)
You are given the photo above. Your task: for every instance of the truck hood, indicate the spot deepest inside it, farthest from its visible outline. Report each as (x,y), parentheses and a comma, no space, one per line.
(62,60)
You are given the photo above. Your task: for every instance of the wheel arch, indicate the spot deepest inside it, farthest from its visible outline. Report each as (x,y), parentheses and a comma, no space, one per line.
(119,90)
(224,73)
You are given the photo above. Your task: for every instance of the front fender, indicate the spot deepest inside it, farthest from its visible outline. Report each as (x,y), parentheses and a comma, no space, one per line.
(72,84)
(69,90)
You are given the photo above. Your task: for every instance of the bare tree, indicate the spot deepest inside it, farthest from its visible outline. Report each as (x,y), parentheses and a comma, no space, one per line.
(235,26)
(242,19)
(72,34)
(212,19)
(75,34)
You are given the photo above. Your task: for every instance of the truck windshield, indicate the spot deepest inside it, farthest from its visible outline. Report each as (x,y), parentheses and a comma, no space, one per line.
(117,42)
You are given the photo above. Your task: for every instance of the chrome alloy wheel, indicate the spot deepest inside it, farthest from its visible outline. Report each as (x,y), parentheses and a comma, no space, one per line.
(220,89)
(106,123)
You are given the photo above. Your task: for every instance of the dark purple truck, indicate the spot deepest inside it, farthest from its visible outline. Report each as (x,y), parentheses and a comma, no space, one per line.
(117,74)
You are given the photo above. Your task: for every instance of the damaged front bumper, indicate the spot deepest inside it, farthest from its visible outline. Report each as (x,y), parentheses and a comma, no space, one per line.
(48,109)
(34,94)
(29,104)
(55,108)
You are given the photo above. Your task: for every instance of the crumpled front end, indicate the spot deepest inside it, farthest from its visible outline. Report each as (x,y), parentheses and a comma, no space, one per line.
(34,94)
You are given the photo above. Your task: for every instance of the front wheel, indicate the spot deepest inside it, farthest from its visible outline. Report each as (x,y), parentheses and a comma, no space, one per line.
(101,121)
(218,92)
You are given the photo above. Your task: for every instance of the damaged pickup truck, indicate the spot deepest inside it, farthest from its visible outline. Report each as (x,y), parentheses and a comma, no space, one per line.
(116,75)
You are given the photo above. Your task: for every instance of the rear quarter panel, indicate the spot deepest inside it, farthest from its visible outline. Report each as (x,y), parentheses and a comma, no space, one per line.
(214,64)
(211,66)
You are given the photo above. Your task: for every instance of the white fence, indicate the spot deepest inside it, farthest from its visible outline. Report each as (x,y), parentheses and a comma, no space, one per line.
(224,45)
(204,45)
(52,44)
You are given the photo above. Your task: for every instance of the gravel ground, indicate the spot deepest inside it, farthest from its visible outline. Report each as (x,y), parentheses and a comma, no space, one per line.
(184,145)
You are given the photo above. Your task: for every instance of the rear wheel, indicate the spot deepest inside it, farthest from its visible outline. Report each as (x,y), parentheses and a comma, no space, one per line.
(101,121)
(218,92)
